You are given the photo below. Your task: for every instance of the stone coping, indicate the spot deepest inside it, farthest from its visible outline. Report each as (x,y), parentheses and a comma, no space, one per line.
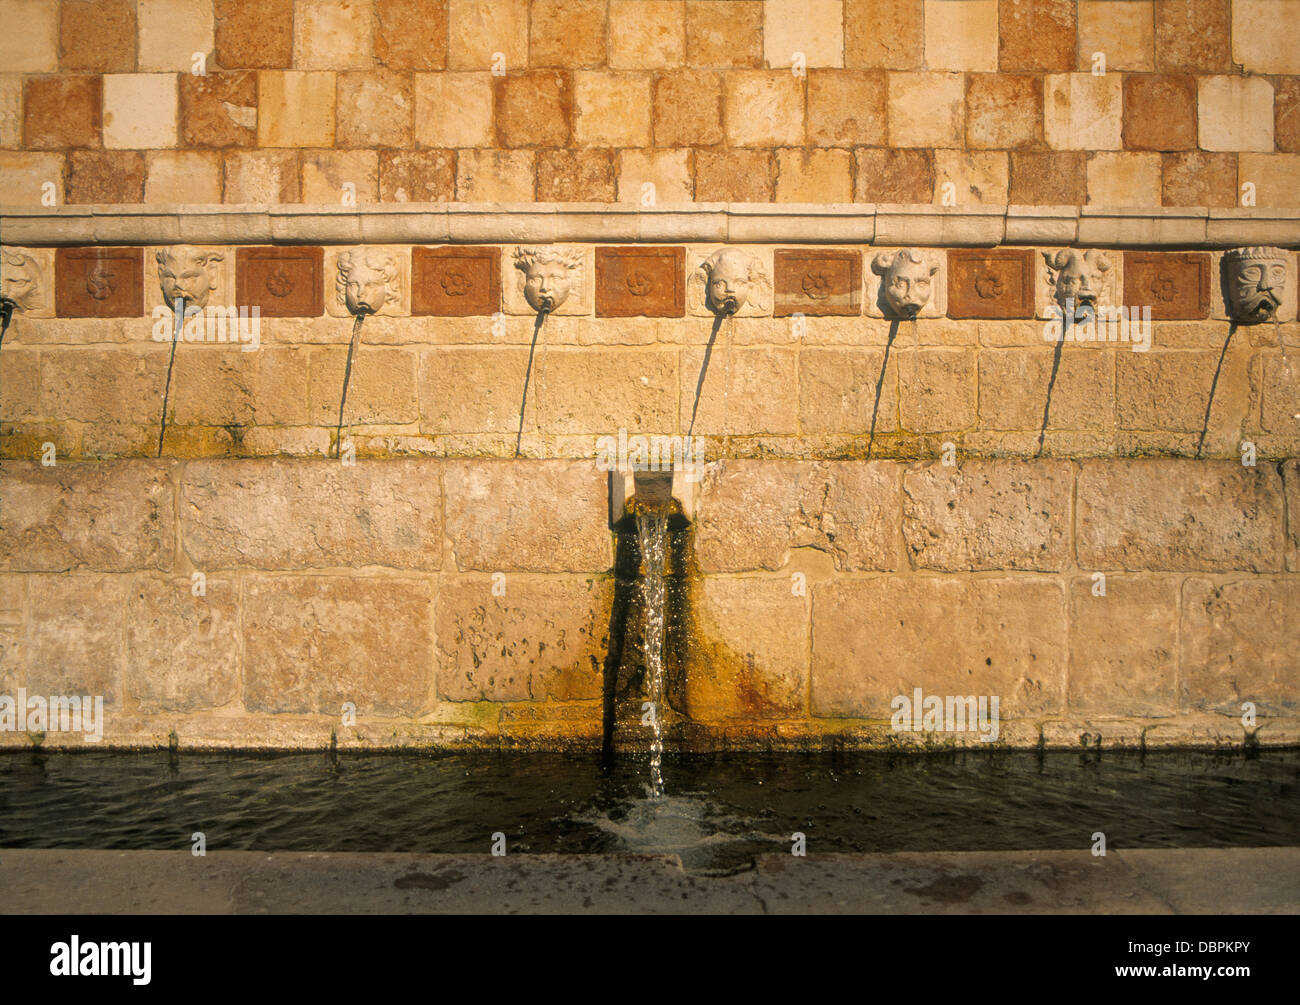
(734,223)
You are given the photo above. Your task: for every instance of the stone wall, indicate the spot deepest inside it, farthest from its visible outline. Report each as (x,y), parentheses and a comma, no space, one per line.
(1131,102)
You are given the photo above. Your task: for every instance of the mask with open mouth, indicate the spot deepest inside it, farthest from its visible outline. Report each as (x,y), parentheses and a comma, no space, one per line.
(1253,281)
(187,273)
(906,282)
(368,278)
(729,275)
(1078,280)
(549,275)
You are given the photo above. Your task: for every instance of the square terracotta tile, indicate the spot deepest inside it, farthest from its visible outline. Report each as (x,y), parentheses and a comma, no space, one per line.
(995,283)
(99,282)
(282,282)
(817,282)
(641,282)
(1175,286)
(455,282)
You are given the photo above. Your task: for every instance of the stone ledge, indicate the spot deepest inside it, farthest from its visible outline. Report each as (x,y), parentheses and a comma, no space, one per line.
(752,223)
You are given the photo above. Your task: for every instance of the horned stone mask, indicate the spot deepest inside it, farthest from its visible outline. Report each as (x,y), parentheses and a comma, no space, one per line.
(1078,278)
(187,273)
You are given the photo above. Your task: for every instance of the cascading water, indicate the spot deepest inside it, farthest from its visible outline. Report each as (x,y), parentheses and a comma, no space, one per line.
(652,536)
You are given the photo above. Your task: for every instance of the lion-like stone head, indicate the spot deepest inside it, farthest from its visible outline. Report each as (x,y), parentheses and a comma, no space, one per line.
(1078,279)
(368,278)
(906,281)
(22,282)
(549,274)
(730,276)
(187,273)
(1254,280)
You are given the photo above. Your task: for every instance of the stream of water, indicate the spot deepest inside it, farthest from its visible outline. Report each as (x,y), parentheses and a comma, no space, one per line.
(652,536)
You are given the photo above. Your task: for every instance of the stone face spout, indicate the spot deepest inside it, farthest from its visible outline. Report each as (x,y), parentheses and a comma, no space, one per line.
(675,489)
(1254,281)
(548,275)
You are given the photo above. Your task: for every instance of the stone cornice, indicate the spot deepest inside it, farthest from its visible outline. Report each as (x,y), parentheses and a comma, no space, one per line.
(698,223)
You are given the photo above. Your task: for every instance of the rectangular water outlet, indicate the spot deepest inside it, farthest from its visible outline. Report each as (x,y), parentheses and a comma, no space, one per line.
(671,488)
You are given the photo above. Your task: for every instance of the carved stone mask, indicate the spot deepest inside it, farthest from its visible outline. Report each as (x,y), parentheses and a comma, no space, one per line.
(1254,280)
(906,281)
(367,279)
(189,273)
(1078,278)
(548,275)
(23,282)
(730,274)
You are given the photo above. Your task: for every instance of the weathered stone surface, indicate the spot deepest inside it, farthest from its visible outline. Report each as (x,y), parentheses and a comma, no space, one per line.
(11,111)
(812,27)
(62,111)
(171,31)
(261,177)
(1235,113)
(1279,393)
(1048,178)
(1124,179)
(282,282)
(1014,383)
(139,111)
(669,171)
(1170,390)
(884,34)
(641,282)
(381,388)
(982,515)
(375,109)
(753,512)
(575,176)
(1178,515)
(1175,286)
(102,385)
(418,175)
(97,36)
(1239,644)
(295,108)
(611,109)
(534,108)
(734,176)
(1286,115)
(105,176)
(34,49)
(1276,177)
(103,517)
(804,176)
(751,651)
(312,643)
(893,175)
(183,651)
(586,391)
(1260,40)
(220,386)
(455,281)
(1192,36)
(478,31)
(961,36)
(497,376)
(990,284)
(1036,34)
(535,516)
(978,177)
(1123,646)
(846,107)
(522,638)
(646,34)
(1291,477)
(411,34)
(1003,110)
(937,389)
(327,175)
(745,392)
(73,644)
(927,109)
(453,109)
(1195,178)
(258,36)
(763,108)
(219,109)
(838,391)
(688,108)
(1083,111)
(1159,112)
(874,639)
(304,514)
(332,36)
(1123,31)
(724,34)
(817,282)
(569,33)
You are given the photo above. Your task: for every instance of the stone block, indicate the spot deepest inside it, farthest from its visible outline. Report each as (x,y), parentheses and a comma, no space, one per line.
(171,32)
(647,34)
(477,32)
(63,111)
(640,282)
(295,108)
(927,110)
(1123,31)
(331,36)
(734,176)
(497,376)
(980,177)
(846,108)
(814,28)
(896,176)
(1083,112)
(259,37)
(1175,285)
(961,36)
(34,49)
(411,34)
(261,177)
(1261,40)
(742,392)
(1235,113)
(762,108)
(1159,112)
(375,109)
(456,281)
(74,639)
(725,35)
(1124,179)
(843,390)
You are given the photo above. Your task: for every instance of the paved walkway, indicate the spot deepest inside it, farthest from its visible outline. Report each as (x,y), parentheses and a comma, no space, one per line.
(1187,881)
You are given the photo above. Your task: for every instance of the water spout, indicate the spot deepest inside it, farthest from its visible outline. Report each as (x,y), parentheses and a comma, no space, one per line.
(528,375)
(880,383)
(178,307)
(347,375)
(652,537)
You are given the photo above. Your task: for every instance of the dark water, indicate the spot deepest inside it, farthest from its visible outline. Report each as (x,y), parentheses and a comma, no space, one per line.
(719,810)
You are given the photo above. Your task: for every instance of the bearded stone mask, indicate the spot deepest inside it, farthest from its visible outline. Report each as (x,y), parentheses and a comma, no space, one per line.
(1254,281)
(368,278)
(187,273)
(906,281)
(1078,279)
(549,275)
